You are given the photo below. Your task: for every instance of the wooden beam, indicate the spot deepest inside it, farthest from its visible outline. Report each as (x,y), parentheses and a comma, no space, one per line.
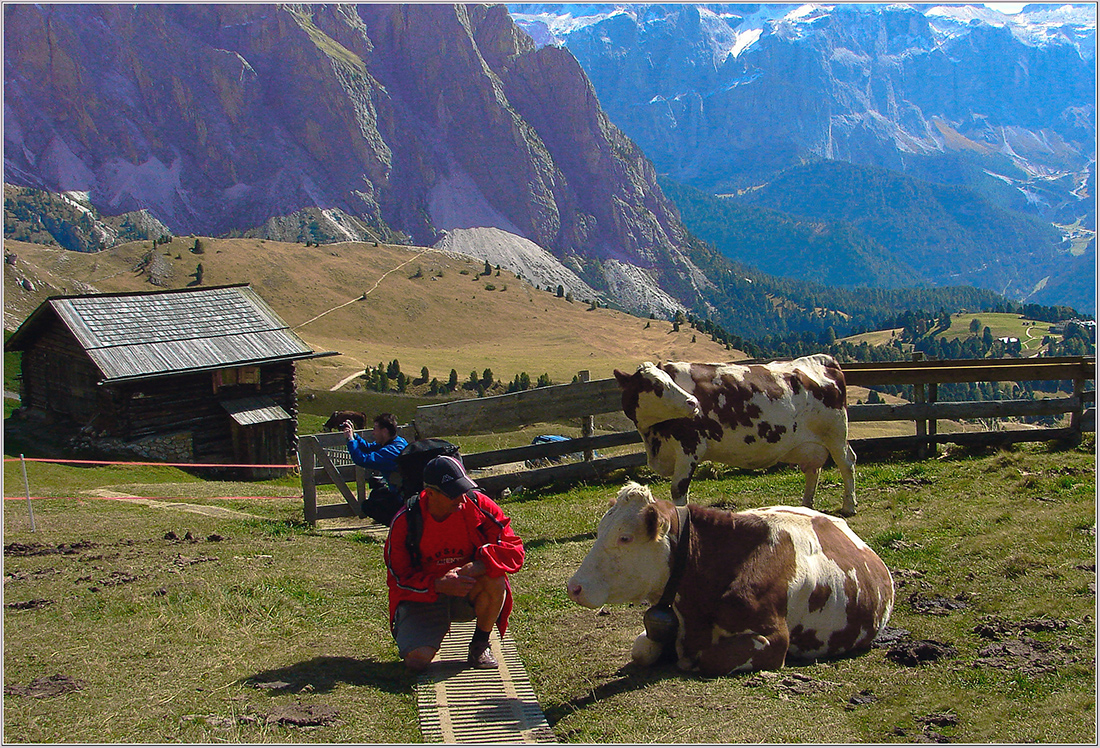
(334,475)
(962,410)
(506,412)
(552,449)
(306,447)
(976,370)
(595,470)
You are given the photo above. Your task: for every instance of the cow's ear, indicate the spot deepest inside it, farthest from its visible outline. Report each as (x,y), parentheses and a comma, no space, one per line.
(655,524)
(623,378)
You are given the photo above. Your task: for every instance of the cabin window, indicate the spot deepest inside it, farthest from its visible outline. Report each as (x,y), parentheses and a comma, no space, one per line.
(240,375)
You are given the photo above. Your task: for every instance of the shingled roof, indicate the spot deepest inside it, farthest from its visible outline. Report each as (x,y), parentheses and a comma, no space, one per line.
(143,335)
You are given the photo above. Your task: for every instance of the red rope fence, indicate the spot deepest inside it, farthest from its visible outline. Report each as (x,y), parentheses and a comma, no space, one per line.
(29,498)
(165,464)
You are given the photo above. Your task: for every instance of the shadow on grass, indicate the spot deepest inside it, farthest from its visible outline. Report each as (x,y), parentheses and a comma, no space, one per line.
(632,677)
(322,674)
(539,542)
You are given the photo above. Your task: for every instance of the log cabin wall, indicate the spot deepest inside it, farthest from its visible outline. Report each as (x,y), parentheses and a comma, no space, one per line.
(204,375)
(192,402)
(58,376)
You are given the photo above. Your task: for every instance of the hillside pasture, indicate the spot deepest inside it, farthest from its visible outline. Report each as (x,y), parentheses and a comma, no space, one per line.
(373,304)
(1029,332)
(190,613)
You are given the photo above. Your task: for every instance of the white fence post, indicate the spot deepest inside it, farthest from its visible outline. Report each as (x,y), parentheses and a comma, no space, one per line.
(27,488)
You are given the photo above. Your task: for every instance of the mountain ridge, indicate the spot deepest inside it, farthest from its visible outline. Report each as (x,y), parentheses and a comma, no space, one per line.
(380,113)
(724,97)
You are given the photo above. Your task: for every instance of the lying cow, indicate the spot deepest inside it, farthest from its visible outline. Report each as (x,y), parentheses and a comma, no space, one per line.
(754,588)
(745,415)
(335,422)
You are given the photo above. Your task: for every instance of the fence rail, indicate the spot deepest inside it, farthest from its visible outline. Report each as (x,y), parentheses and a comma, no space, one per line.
(320,454)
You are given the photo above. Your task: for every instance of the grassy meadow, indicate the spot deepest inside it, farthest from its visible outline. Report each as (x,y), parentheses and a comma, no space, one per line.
(1029,332)
(373,304)
(199,616)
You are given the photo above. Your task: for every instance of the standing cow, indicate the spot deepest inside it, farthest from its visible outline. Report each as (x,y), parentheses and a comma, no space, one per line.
(753,587)
(336,421)
(745,415)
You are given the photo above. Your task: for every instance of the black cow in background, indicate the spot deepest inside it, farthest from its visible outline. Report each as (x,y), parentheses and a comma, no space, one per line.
(335,422)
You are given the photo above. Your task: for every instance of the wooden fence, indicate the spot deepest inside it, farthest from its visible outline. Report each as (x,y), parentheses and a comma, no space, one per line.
(324,460)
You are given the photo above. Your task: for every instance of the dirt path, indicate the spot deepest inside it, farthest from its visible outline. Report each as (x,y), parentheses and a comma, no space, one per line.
(209,511)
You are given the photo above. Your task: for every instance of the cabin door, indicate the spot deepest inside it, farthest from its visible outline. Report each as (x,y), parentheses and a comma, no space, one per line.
(261,444)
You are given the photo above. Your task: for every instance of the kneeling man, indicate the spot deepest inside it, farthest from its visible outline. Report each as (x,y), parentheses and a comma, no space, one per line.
(448,556)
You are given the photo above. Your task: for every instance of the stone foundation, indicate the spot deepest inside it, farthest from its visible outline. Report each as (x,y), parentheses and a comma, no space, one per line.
(161,448)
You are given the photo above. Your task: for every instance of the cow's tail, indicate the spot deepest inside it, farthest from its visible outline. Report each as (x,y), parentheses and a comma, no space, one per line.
(849,454)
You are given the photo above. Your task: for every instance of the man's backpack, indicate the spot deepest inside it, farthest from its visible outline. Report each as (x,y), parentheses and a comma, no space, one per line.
(410,464)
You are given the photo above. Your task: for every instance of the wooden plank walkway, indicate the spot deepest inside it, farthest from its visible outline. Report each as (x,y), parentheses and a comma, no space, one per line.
(460,704)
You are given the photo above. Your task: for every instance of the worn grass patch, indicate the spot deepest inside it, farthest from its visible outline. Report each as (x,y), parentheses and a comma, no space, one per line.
(131,622)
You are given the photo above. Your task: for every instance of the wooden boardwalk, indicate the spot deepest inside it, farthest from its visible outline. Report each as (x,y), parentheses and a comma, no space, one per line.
(460,704)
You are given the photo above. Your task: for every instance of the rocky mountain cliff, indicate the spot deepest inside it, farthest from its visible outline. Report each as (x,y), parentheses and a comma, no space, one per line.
(724,98)
(719,96)
(395,122)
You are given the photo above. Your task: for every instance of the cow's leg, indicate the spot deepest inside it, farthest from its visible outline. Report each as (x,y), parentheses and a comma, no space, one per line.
(645,651)
(812,474)
(750,650)
(810,458)
(846,462)
(681,478)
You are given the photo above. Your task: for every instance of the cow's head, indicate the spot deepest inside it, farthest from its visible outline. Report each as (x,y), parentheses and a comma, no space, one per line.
(650,396)
(629,561)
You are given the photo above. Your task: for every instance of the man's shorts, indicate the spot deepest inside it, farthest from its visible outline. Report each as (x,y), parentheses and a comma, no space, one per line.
(418,624)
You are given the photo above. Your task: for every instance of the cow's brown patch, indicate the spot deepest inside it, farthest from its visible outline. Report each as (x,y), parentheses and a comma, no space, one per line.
(769,433)
(833,395)
(684,431)
(865,609)
(805,640)
(819,597)
(724,402)
(736,579)
(633,385)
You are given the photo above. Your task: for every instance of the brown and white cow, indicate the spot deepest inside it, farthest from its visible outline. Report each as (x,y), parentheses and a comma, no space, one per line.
(757,586)
(745,415)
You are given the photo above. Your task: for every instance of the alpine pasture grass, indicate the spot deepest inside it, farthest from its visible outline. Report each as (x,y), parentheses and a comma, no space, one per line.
(183,627)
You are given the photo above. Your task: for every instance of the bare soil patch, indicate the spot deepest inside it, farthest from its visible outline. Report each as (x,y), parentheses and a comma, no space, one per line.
(46,687)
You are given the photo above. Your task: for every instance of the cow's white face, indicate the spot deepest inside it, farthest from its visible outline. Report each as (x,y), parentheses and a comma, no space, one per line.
(666,401)
(629,561)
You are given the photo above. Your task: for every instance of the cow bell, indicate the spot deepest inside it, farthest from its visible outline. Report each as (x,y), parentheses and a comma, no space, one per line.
(660,624)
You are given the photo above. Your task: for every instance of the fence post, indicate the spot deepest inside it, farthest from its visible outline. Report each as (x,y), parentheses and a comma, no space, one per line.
(308,463)
(1077,414)
(588,423)
(27,488)
(933,396)
(922,424)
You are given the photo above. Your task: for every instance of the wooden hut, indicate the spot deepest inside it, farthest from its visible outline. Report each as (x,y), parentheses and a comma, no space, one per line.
(201,375)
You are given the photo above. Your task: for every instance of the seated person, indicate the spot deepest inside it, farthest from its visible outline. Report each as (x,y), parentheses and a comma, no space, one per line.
(448,557)
(379,456)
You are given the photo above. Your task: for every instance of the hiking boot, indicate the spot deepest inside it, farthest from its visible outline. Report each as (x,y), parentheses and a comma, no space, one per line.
(480,656)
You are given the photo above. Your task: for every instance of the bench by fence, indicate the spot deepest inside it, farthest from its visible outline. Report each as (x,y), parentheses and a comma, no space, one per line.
(323,457)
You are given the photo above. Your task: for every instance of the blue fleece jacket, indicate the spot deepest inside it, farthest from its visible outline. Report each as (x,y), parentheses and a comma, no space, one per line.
(381,458)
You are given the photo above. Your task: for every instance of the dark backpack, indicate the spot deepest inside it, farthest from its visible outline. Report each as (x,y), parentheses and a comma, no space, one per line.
(410,464)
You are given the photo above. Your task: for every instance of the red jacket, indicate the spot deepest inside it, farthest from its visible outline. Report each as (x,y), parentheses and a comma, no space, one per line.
(487,528)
